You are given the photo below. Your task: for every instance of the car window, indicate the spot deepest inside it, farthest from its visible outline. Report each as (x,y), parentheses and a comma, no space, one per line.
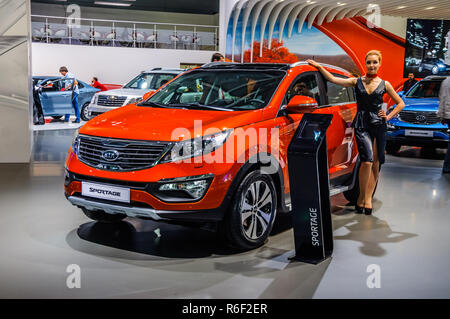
(222,89)
(142,81)
(305,85)
(351,94)
(162,79)
(80,85)
(425,89)
(337,93)
(50,85)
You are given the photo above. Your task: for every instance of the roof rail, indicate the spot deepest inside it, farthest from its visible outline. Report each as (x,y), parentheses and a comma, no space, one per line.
(323,64)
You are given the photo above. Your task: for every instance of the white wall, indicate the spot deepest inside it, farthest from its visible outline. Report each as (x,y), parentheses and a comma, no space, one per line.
(125,14)
(395,25)
(109,64)
(15,133)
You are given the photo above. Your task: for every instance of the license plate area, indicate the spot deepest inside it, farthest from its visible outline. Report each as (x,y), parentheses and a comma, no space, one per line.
(420,133)
(107,192)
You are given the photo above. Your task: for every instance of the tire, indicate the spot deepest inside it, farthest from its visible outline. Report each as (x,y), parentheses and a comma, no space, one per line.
(435,70)
(57,117)
(246,227)
(392,148)
(103,217)
(85,112)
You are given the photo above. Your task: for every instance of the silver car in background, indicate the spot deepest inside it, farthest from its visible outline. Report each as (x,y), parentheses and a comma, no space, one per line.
(131,92)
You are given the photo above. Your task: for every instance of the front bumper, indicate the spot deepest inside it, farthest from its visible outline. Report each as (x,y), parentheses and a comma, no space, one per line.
(144,202)
(211,215)
(439,139)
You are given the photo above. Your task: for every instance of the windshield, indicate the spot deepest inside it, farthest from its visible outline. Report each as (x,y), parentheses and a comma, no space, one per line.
(425,89)
(219,90)
(151,81)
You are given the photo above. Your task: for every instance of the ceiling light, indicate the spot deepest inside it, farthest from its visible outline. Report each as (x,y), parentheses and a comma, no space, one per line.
(401,7)
(429,8)
(118,4)
(341,3)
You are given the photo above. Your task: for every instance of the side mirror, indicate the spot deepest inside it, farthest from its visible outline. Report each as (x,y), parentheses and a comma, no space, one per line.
(147,95)
(300,102)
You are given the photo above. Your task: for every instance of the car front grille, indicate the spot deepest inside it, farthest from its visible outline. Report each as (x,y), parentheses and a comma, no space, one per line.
(120,155)
(111,100)
(419,117)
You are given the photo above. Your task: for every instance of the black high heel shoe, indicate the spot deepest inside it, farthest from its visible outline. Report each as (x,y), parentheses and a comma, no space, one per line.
(359,209)
(368,211)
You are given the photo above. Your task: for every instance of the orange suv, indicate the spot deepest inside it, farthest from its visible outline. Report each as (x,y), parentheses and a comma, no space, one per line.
(209,147)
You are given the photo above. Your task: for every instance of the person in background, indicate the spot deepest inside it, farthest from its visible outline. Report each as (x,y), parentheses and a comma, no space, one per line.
(444,114)
(71,83)
(409,83)
(95,83)
(217,57)
(38,114)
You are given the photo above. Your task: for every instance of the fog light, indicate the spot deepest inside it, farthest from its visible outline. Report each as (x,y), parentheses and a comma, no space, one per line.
(196,189)
(66,178)
(190,188)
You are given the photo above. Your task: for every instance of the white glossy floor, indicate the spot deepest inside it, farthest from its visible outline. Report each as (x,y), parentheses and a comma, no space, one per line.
(41,234)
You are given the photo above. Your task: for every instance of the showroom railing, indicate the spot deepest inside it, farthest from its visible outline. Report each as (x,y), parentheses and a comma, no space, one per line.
(98,32)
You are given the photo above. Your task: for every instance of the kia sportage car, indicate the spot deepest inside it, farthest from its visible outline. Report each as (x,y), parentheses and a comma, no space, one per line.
(209,148)
(418,124)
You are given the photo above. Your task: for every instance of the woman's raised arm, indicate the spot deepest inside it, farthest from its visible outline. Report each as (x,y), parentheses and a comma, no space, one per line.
(349,82)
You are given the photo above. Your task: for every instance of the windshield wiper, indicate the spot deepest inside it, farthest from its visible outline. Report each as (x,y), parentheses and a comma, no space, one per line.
(200,106)
(155,104)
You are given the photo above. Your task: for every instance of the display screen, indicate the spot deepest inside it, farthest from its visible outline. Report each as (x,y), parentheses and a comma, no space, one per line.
(427,48)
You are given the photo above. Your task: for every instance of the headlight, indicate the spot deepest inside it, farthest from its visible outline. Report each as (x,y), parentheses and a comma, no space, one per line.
(76,142)
(94,99)
(196,147)
(191,188)
(134,100)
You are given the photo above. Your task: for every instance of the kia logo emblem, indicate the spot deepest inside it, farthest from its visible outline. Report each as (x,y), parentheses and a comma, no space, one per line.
(421,118)
(110,155)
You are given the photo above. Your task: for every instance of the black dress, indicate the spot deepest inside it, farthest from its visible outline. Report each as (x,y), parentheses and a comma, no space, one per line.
(367,124)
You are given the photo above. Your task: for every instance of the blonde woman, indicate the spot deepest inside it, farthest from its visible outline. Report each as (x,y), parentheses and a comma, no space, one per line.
(369,123)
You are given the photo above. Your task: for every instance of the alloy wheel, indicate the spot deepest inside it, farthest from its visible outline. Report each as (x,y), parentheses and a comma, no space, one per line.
(256,209)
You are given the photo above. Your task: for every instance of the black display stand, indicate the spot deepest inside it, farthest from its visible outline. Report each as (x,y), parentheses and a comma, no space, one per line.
(309,186)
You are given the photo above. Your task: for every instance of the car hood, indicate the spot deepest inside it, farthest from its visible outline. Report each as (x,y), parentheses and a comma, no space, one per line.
(165,124)
(427,104)
(125,92)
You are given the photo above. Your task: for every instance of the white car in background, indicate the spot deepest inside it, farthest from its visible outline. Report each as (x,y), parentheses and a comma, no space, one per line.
(132,92)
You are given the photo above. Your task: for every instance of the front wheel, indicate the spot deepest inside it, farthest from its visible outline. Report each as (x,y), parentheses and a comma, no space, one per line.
(103,217)
(85,112)
(252,214)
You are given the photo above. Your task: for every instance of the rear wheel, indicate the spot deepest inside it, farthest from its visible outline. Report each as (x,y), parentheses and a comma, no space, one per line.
(103,217)
(252,214)
(85,112)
